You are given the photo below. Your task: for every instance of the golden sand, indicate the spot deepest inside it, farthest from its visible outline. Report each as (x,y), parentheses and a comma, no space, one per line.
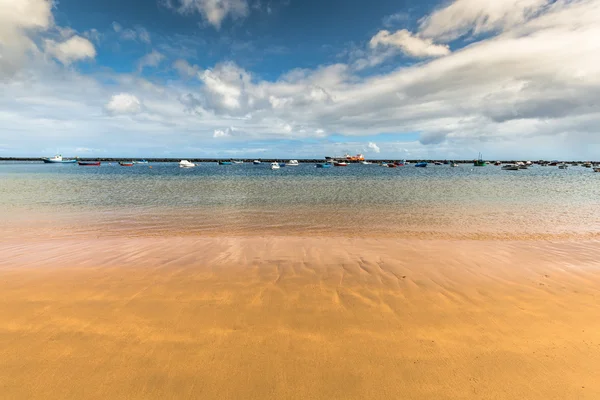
(299,318)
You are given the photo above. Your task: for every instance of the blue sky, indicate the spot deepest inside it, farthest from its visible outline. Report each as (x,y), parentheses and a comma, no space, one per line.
(242,78)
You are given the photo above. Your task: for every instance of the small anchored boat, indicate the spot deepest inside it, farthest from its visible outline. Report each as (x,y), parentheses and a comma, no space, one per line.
(57,159)
(237,162)
(292,163)
(140,162)
(340,164)
(89,163)
(421,165)
(126,163)
(323,165)
(256,162)
(186,164)
(275,165)
(511,167)
(224,162)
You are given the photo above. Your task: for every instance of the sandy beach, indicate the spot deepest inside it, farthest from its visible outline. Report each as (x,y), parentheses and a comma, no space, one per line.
(299,318)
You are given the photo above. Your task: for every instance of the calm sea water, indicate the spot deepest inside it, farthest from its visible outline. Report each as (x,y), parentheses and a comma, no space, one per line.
(247,198)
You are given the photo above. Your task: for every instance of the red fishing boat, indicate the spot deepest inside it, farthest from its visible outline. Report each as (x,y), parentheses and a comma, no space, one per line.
(89,163)
(340,164)
(126,163)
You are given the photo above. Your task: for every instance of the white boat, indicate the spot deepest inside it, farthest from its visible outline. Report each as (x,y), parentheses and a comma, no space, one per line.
(597,169)
(186,164)
(521,165)
(511,167)
(453,164)
(292,163)
(58,159)
(563,166)
(256,162)
(275,165)
(237,162)
(365,163)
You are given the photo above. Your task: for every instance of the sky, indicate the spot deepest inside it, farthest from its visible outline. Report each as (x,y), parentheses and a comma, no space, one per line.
(414,79)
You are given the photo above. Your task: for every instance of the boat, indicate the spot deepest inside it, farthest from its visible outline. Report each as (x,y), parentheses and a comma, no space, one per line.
(224,162)
(365,163)
(186,164)
(89,163)
(140,162)
(126,163)
(437,163)
(58,159)
(237,162)
(340,164)
(383,164)
(511,167)
(453,164)
(521,165)
(392,165)
(400,163)
(479,162)
(256,162)
(323,165)
(292,163)
(421,164)
(587,164)
(597,169)
(497,163)
(275,165)
(282,164)
(562,166)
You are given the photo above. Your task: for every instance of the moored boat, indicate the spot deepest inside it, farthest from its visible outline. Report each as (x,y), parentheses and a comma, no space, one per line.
(140,162)
(237,162)
(323,165)
(292,163)
(89,163)
(563,166)
(400,163)
(453,164)
(186,164)
(126,163)
(340,164)
(58,159)
(479,162)
(511,167)
(597,169)
(392,165)
(224,162)
(421,164)
(275,165)
(256,162)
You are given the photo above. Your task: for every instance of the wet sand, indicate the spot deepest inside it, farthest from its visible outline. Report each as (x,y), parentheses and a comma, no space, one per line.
(299,318)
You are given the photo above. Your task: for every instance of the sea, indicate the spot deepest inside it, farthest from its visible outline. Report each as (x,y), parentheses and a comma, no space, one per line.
(157,199)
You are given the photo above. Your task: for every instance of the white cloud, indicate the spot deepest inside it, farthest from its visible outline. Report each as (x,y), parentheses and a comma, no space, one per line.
(73,49)
(409,44)
(19,22)
(185,69)
(152,59)
(222,133)
(373,146)
(123,103)
(117,27)
(395,19)
(213,11)
(139,33)
(477,16)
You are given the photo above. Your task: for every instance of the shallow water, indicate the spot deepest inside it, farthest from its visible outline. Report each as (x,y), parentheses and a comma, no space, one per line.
(355,200)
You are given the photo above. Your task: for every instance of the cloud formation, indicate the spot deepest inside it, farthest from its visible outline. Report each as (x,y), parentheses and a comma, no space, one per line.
(123,103)
(532,81)
(409,44)
(73,49)
(213,11)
